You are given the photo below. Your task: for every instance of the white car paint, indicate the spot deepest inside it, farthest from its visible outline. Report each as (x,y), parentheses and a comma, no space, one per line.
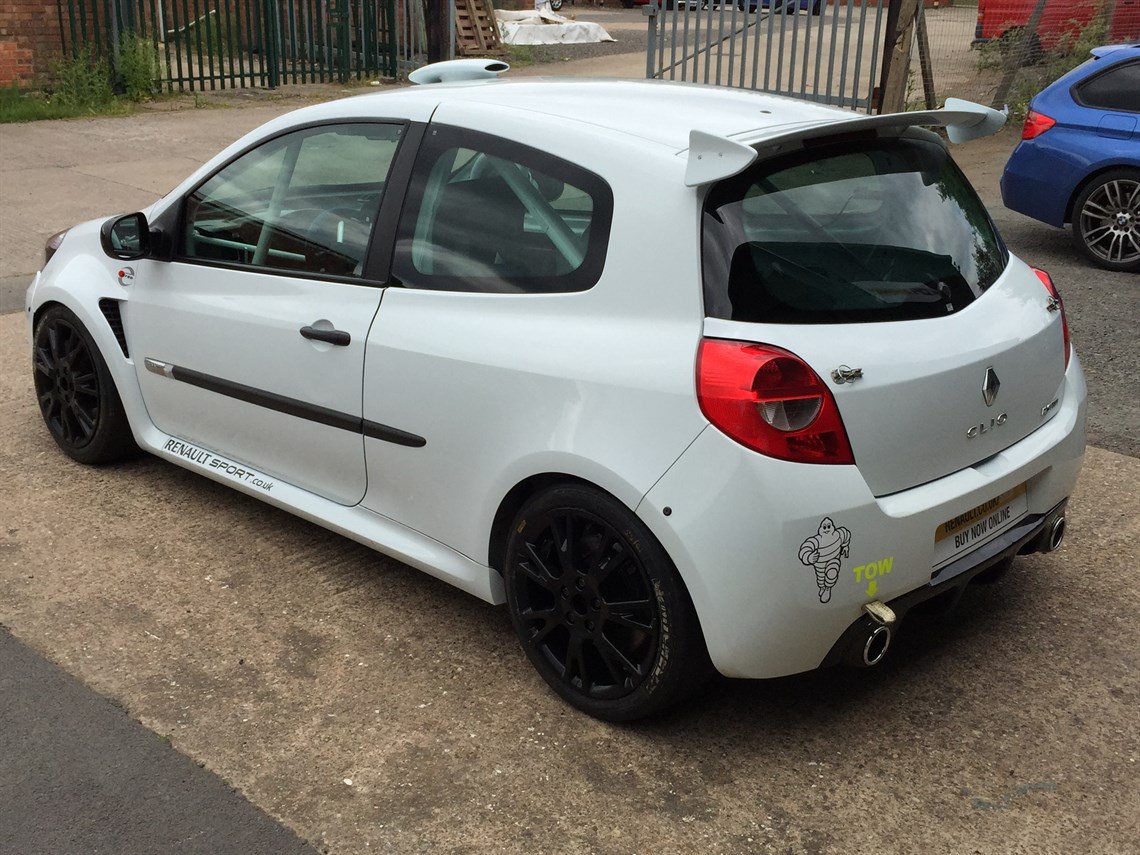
(598,385)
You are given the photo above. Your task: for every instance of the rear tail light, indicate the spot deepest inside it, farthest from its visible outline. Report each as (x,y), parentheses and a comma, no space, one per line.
(1035,125)
(1047,281)
(771,401)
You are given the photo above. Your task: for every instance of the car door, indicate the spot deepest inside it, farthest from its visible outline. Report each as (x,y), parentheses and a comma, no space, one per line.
(250,342)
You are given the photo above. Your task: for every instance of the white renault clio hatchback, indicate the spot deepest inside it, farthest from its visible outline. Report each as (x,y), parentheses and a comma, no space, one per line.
(688,377)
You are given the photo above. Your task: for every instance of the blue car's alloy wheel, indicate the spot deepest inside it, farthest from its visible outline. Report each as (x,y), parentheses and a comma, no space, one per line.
(1106,220)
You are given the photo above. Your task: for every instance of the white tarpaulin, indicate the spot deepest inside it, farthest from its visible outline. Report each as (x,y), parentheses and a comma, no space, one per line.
(546,28)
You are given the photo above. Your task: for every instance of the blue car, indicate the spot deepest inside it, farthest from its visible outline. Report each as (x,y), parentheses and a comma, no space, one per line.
(1079,158)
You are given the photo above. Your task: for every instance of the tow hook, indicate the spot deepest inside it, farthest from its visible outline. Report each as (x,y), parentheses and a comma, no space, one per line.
(878,639)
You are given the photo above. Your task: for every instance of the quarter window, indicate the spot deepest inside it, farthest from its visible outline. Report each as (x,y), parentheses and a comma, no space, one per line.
(493,216)
(1116,89)
(304,202)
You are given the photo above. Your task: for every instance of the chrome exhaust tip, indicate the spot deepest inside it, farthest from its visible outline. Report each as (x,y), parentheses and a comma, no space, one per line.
(1056,534)
(875,647)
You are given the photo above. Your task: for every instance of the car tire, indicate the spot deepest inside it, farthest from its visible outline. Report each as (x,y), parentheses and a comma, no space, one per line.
(555,5)
(1106,220)
(573,555)
(77,396)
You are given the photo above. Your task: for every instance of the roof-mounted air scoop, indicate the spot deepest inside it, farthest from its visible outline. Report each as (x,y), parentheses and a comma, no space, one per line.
(456,70)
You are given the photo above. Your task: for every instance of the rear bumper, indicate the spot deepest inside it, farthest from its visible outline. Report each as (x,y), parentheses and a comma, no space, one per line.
(1036,185)
(747,534)
(1029,535)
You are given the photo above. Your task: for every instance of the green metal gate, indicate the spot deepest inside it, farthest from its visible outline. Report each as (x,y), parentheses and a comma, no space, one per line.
(220,44)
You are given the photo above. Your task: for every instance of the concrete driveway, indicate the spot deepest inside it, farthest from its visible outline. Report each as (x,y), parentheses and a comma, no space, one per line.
(370,708)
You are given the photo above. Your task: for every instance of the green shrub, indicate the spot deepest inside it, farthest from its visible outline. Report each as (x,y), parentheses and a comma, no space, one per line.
(139,67)
(83,82)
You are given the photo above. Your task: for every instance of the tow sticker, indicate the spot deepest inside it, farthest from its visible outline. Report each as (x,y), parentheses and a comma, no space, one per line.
(825,551)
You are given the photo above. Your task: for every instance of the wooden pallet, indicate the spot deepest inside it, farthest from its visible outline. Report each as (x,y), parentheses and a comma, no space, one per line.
(476,31)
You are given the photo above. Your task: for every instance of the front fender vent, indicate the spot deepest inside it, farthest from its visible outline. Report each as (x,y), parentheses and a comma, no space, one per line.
(110,310)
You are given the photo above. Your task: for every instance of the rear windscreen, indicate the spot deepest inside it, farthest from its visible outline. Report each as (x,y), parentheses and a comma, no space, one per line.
(881,230)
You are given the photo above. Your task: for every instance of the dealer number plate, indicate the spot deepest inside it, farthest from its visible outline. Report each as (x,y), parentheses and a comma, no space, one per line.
(971,529)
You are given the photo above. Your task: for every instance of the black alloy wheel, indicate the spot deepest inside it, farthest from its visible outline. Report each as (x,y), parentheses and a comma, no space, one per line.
(1106,220)
(598,607)
(76,394)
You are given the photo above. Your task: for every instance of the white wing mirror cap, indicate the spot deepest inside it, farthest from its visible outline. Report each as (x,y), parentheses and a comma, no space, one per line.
(456,70)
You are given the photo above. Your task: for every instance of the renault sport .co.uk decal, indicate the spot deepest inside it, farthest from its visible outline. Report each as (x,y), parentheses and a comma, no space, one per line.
(824,551)
(209,460)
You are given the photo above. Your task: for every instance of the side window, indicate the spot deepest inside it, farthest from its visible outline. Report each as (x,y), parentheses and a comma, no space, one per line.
(1116,89)
(305,202)
(489,215)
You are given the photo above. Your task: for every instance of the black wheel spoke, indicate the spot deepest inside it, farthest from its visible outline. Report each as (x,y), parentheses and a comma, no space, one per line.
(575,664)
(85,384)
(75,348)
(622,614)
(566,534)
(83,421)
(609,558)
(53,344)
(44,364)
(617,673)
(537,570)
(614,657)
(66,425)
(547,617)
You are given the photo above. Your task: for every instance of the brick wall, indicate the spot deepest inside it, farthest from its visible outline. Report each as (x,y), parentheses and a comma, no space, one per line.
(29,40)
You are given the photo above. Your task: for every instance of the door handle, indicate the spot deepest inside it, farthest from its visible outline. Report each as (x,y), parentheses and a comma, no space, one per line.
(338,337)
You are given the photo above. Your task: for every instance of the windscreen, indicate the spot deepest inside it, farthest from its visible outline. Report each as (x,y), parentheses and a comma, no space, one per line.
(852,232)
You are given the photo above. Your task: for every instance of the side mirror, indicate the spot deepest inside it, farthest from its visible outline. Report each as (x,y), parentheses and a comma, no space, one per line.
(127,237)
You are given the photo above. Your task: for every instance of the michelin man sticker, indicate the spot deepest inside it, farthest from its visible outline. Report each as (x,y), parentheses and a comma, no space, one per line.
(823,551)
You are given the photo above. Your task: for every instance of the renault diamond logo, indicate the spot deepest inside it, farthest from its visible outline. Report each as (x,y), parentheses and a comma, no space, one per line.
(990,387)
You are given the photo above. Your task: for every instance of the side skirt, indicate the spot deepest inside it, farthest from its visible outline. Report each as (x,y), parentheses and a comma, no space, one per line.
(357,523)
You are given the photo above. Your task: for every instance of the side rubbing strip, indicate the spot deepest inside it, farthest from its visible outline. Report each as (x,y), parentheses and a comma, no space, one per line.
(289,406)
(375,430)
(269,400)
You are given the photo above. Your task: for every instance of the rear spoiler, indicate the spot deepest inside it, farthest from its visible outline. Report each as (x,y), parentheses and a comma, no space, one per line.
(712,158)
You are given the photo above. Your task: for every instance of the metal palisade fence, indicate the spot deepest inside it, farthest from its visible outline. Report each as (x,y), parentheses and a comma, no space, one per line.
(817,50)
(883,54)
(217,44)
